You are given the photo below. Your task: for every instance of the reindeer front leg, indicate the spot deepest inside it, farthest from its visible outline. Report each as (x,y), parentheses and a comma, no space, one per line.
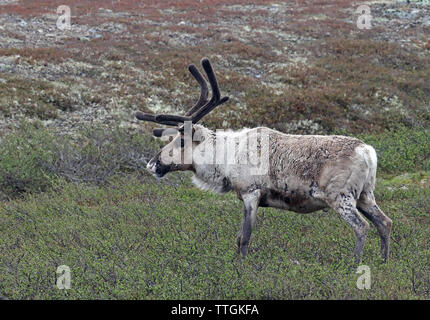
(250,201)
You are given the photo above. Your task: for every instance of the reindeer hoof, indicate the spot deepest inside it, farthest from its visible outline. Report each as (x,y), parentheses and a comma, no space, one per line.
(238,241)
(243,251)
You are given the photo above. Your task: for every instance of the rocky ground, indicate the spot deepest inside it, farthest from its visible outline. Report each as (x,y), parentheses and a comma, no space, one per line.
(276,60)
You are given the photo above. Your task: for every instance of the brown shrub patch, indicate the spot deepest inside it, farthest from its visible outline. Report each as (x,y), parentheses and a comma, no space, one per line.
(31,55)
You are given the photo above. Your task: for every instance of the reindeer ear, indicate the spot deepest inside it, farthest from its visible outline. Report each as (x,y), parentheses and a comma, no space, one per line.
(198,135)
(158,132)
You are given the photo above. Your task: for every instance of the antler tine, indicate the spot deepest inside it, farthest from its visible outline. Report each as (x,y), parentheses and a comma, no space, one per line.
(212,79)
(200,109)
(203,89)
(202,100)
(208,109)
(145,116)
(216,94)
(150,117)
(163,118)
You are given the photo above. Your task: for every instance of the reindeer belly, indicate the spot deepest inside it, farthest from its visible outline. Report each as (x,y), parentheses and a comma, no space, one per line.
(296,201)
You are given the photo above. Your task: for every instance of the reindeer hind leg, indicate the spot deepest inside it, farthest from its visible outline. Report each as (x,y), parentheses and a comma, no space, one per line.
(368,207)
(345,206)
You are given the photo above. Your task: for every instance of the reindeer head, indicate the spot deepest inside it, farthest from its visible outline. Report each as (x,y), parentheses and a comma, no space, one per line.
(162,162)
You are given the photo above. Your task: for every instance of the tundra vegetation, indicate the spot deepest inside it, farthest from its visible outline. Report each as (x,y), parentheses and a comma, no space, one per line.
(73,185)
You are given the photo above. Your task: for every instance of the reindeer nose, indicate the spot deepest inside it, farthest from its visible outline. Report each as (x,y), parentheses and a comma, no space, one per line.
(151,166)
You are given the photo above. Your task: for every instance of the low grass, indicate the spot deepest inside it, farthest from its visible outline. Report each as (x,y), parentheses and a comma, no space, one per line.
(135,240)
(131,237)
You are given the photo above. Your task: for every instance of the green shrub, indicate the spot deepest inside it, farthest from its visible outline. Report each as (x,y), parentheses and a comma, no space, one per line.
(24,156)
(401,149)
(100,153)
(31,157)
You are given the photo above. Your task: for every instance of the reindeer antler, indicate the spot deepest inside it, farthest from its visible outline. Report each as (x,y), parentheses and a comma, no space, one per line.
(200,109)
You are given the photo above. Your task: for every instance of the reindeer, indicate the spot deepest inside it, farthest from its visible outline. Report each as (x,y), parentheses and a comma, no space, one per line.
(305,173)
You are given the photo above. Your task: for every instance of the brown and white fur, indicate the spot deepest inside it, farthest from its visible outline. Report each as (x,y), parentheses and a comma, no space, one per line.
(306,173)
